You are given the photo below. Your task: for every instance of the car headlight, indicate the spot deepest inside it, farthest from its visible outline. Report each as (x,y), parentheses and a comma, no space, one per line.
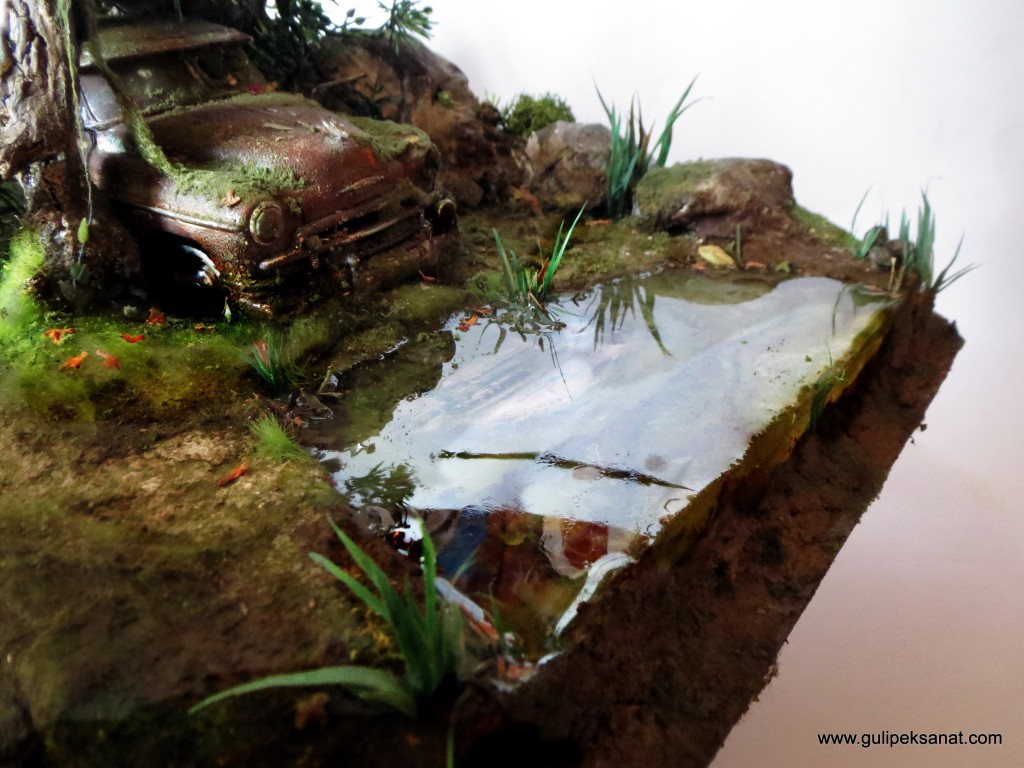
(266,223)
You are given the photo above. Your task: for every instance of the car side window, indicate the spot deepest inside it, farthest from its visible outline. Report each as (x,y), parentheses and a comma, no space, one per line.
(222,68)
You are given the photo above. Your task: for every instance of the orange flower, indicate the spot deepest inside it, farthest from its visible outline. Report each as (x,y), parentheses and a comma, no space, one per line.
(73,362)
(109,361)
(56,335)
(233,475)
(133,339)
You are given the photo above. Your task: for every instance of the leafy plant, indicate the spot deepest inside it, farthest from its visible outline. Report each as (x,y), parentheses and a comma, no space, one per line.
(274,440)
(285,48)
(267,359)
(428,638)
(405,20)
(526,286)
(917,254)
(526,113)
(631,150)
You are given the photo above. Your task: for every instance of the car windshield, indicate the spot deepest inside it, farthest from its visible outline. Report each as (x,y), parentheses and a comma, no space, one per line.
(170,80)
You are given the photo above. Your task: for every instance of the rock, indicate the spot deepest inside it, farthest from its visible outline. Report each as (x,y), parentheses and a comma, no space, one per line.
(566,165)
(713,197)
(420,87)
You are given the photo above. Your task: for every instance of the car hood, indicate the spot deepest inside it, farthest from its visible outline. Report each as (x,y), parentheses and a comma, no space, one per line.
(245,149)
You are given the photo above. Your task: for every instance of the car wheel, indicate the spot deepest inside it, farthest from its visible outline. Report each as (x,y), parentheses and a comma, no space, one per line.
(185,281)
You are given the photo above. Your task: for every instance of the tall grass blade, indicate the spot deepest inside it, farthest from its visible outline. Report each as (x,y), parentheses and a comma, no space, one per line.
(664,143)
(368,683)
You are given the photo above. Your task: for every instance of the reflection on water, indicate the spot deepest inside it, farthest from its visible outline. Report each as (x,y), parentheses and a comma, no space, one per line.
(537,457)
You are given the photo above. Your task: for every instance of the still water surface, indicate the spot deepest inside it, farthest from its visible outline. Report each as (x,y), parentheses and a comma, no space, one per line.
(558,456)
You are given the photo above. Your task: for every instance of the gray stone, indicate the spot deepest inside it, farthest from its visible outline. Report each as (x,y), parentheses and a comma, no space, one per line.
(566,165)
(713,197)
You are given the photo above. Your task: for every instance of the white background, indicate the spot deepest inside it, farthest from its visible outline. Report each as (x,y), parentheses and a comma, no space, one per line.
(920,623)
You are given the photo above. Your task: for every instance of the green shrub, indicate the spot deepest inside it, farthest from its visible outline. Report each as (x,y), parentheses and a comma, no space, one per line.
(527,114)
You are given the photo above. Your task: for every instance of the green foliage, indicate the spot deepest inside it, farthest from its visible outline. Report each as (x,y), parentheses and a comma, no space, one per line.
(405,20)
(268,359)
(20,312)
(527,287)
(286,48)
(917,252)
(275,442)
(632,153)
(526,113)
(428,638)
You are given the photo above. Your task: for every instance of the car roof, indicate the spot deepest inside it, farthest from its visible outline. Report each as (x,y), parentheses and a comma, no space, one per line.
(132,39)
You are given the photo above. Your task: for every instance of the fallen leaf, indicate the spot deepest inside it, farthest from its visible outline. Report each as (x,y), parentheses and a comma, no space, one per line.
(715,256)
(133,339)
(109,361)
(73,362)
(57,335)
(233,475)
(156,317)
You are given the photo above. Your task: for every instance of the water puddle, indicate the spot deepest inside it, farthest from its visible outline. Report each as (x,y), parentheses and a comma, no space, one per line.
(540,464)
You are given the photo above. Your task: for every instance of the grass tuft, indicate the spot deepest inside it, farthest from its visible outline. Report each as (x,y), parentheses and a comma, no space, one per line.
(274,441)
(917,252)
(428,638)
(526,286)
(631,153)
(268,359)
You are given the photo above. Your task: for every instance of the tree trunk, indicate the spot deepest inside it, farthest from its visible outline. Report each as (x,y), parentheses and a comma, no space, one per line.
(37,122)
(39,142)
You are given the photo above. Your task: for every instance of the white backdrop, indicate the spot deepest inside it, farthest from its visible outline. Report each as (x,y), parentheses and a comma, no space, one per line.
(919,624)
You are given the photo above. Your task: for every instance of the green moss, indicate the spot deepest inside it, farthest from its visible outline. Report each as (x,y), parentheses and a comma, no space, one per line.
(663,186)
(20,311)
(824,230)
(388,140)
(244,181)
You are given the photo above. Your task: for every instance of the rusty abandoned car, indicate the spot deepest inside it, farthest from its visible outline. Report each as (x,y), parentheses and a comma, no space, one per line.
(251,194)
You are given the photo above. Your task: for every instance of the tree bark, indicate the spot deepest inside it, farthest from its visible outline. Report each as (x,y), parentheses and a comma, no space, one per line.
(39,142)
(37,122)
